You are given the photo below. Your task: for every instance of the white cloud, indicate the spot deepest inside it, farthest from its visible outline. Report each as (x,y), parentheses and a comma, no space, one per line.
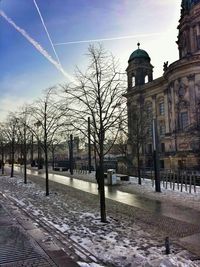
(11,103)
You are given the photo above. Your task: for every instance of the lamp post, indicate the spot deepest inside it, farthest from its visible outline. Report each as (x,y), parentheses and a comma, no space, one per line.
(155,157)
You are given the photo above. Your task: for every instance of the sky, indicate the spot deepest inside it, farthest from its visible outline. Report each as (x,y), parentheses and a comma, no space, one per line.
(31,31)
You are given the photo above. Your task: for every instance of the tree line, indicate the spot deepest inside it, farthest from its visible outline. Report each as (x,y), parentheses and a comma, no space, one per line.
(94,107)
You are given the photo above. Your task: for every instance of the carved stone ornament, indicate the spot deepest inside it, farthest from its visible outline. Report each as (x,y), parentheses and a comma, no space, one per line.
(181,90)
(191,77)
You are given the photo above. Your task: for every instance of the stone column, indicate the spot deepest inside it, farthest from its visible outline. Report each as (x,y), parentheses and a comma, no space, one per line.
(192,98)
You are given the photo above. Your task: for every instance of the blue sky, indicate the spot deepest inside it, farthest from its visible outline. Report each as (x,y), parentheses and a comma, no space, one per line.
(25,72)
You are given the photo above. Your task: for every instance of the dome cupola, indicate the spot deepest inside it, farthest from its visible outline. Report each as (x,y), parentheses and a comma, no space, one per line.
(140,70)
(139,53)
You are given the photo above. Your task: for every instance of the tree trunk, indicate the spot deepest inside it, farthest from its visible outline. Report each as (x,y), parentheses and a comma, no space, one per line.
(101,184)
(46,151)
(89,146)
(39,155)
(155,156)
(2,156)
(138,164)
(53,159)
(71,160)
(46,167)
(12,157)
(31,149)
(25,156)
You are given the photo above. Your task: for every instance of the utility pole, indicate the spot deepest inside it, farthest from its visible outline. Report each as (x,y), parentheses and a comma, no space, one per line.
(89,146)
(155,157)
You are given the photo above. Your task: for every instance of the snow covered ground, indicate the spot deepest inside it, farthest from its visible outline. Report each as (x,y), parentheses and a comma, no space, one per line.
(184,198)
(120,243)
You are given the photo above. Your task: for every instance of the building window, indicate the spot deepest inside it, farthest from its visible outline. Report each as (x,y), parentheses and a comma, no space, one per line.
(149,110)
(162,164)
(161,108)
(183,120)
(162,146)
(149,149)
(133,81)
(146,80)
(149,107)
(150,131)
(162,129)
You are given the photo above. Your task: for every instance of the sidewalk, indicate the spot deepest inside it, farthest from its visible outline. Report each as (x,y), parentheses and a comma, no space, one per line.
(132,236)
(24,243)
(189,202)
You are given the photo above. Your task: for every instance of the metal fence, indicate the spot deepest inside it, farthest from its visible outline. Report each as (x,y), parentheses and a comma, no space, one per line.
(183,181)
(180,180)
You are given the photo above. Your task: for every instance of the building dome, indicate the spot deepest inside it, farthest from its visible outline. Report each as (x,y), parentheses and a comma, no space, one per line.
(139,70)
(139,53)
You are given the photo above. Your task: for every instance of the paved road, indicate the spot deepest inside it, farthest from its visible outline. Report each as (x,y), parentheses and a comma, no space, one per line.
(172,211)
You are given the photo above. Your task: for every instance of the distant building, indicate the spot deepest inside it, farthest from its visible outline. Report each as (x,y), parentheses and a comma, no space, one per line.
(174,98)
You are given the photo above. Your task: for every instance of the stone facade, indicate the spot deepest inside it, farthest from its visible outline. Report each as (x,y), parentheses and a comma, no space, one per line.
(173,99)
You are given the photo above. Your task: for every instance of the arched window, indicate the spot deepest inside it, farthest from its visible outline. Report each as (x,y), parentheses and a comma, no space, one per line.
(133,81)
(162,128)
(161,107)
(183,120)
(149,109)
(146,79)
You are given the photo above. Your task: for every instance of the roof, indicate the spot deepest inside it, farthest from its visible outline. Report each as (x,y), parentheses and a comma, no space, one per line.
(139,53)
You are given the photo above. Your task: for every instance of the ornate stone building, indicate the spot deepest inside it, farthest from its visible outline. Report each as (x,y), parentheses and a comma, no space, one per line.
(173,99)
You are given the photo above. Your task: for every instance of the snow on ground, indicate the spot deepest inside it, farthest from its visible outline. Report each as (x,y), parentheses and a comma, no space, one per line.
(121,243)
(184,198)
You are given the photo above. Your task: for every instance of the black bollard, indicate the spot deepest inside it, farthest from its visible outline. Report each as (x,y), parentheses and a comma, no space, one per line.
(167,246)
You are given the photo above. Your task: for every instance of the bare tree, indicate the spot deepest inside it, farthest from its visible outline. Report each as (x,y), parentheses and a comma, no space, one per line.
(56,143)
(9,131)
(98,94)
(48,117)
(2,145)
(23,130)
(140,127)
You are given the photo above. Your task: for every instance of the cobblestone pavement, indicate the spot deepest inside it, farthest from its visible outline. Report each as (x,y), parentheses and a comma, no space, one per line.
(21,241)
(173,227)
(16,247)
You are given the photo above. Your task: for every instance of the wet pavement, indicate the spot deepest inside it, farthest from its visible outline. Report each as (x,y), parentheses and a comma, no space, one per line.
(112,192)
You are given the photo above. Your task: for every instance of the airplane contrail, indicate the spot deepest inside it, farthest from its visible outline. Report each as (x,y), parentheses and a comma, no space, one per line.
(39,48)
(109,39)
(47,32)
